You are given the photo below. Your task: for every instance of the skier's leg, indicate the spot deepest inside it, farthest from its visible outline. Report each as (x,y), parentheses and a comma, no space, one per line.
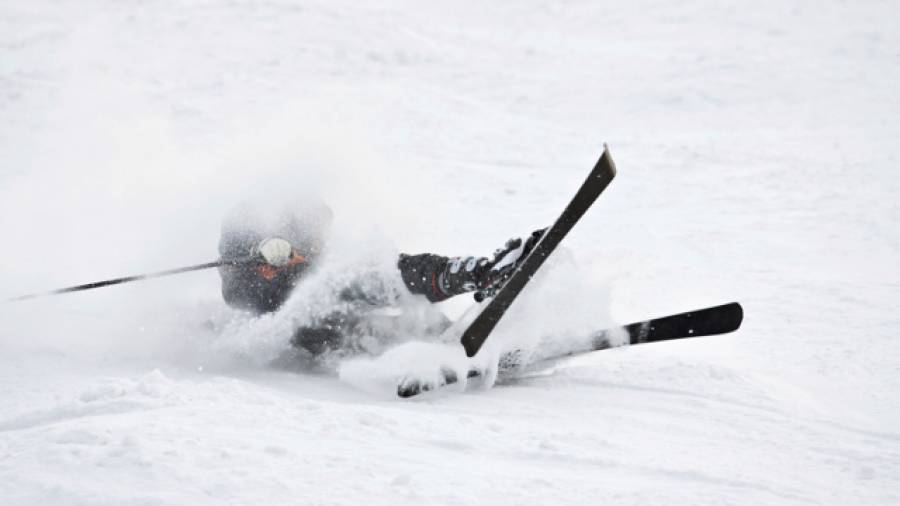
(325,334)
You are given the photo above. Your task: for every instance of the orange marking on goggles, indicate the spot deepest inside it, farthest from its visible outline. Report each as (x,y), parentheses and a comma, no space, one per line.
(270,271)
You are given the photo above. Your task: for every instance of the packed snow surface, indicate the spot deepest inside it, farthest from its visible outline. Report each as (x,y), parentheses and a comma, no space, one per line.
(756,147)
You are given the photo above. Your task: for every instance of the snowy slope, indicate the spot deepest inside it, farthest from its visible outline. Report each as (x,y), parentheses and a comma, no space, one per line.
(755,146)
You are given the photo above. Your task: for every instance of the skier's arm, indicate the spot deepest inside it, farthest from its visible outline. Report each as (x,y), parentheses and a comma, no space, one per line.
(425,274)
(439,278)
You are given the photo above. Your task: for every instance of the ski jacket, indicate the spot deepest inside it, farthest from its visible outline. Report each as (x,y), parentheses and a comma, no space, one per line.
(263,288)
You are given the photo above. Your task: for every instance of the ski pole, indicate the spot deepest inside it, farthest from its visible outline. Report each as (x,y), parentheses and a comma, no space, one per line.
(139,277)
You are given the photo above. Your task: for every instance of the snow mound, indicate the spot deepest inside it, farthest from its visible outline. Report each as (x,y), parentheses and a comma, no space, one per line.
(423,361)
(107,396)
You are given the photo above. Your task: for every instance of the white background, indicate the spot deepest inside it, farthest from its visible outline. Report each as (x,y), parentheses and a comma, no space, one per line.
(755,143)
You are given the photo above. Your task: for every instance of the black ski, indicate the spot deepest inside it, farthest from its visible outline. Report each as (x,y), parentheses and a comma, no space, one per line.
(702,322)
(599,178)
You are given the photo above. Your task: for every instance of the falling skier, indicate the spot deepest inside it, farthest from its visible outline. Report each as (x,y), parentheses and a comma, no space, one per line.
(263,261)
(289,247)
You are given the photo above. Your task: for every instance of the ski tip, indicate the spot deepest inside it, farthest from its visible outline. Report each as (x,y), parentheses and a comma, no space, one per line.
(738,314)
(733,314)
(607,157)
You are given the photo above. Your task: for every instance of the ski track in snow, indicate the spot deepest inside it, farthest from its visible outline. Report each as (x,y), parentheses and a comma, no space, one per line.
(757,162)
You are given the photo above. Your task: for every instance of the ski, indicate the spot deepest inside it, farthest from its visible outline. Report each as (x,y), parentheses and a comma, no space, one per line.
(599,178)
(702,322)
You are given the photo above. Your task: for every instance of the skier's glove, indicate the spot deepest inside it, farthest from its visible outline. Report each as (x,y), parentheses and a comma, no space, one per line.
(505,262)
(276,251)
